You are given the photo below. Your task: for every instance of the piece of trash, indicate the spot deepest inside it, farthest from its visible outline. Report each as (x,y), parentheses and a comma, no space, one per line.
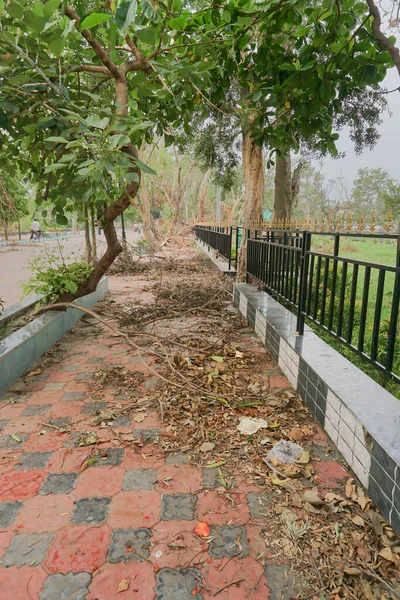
(202,529)
(157,554)
(286,452)
(248,425)
(123,585)
(265,441)
(207,447)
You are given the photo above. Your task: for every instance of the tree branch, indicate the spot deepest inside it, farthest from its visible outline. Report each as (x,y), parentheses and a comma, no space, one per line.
(91,69)
(380,36)
(115,71)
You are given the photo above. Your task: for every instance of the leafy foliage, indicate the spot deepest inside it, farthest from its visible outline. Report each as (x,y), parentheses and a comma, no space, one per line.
(53,277)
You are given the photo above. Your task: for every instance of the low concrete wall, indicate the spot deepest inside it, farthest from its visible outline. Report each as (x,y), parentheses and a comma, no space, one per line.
(10,312)
(24,347)
(221,263)
(361,418)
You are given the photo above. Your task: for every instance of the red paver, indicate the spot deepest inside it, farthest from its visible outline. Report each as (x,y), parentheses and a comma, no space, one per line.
(42,514)
(20,485)
(134,509)
(24,583)
(91,482)
(106,580)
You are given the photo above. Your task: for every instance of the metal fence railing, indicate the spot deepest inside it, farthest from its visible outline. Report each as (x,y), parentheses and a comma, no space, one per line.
(225,240)
(328,279)
(355,301)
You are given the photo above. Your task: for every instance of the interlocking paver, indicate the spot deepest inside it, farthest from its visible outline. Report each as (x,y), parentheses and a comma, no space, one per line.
(74,586)
(111,457)
(72,396)
(36,410)
(148,436)
(140,479)
(179,584)
(215,478)
(129,545)
(8,512)
(259,503)
(3,423)
(228,540)
(92,408)
(178,507)
(177,458)
(27,549)
(33,461)
(90,510)
(282,584)
(58,483)
(9,441)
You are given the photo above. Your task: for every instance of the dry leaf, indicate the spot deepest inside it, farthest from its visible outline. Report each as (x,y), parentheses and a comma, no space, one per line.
(389,555)
(357,520)
(139,418)
(363,501)
(376,521)
(239,354)
(296,433)
(207,447)
(351,571)
(350,488)
(312,497)
(202,529)
(289,516)
(311,509)
(36,372)
(290,470)
(123,585)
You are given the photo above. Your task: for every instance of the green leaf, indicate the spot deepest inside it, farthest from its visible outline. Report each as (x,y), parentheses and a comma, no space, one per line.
(131,177)
(71,285)
(147,36)
(57,46)
(50,8)
(97,123)
(57,139)
(179,22)
(118,140)
(144,168)
(219,359)
(215,465)
(93,19)
(126,14)
(34,21)
(227,16)
(149,11)
(15,10)
(15,437)
(61,219)
(53,167)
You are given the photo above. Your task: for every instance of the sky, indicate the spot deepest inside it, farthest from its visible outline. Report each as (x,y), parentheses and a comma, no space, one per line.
(386,153)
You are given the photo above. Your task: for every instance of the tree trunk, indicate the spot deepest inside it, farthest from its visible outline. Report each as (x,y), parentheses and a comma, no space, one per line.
(148,233)
(93,234)
(253,168)
(201,195)
(283,188)
(88,245)
(5,232)
(75,223)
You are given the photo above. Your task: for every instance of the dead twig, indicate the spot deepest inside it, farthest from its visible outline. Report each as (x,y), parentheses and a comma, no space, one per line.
(235,582)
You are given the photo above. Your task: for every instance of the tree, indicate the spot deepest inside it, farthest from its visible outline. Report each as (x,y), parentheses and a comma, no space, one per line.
(368,193)
(391,200)
(13,200)
(84,83)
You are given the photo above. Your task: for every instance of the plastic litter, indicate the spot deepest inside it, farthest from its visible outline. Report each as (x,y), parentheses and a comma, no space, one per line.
(286,452)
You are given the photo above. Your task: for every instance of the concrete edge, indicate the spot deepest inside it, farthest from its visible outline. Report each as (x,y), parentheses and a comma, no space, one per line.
(13,311)
(20,350)
(221,263)
(361,418)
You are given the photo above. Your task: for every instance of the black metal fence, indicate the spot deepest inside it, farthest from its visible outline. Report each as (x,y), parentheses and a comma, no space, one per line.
(353,300)
(225,240)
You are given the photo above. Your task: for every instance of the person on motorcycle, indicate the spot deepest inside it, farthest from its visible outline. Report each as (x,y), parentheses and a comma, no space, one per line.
(35,230)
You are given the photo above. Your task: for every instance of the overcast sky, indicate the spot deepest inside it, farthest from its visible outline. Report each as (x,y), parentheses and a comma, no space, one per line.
(386,153)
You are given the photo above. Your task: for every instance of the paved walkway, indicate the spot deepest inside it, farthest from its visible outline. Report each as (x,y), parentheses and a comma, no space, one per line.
(104,505)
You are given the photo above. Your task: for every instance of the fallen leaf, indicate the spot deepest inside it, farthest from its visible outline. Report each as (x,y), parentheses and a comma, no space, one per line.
(311,509)
(296,433)
(139,418)
(202,529)
(375,520)
(357,520)
(389,555)
(239,354)
(36,372)
(289,516)
(350,488)
(363,501)
(219,359)
(15,437)
(207,447)
(312,497)
(214,465)
(351,571)
(304,458)
(123,585)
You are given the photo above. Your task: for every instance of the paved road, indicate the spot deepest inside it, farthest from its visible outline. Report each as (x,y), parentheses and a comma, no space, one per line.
(15,269)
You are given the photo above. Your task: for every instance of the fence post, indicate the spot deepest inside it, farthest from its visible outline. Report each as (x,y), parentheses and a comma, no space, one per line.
(230,248)
(303,282)
(394,314)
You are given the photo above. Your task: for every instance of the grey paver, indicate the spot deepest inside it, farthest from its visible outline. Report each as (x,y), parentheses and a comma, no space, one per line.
(72,586)
(31,461)
(178,584)
(113,458)
(34,410)
(177,458)
(229,541)
(258,503)
(8,512)
(6,441)
(72,396)
(60,422)
(58,483)
(178,507)
(126,542)
(212,479)
(90,510)
(68,368)
(281,583)
(83,376)
(54,387)
(26,549)
(3,423)
(122,422)
(146,435)
(139,479)
(91,408)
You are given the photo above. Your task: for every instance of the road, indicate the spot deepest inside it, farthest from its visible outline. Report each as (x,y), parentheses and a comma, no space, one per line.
(15,269)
